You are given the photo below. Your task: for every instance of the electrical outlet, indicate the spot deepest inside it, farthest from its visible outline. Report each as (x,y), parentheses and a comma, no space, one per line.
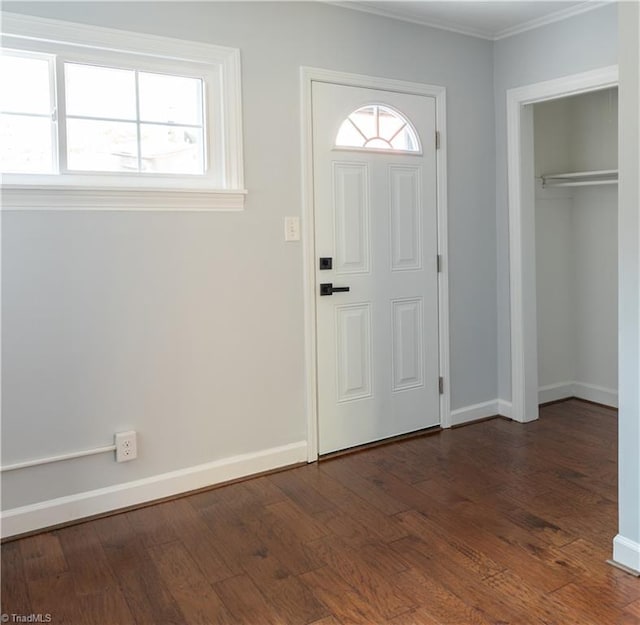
(292,228)
(126,446)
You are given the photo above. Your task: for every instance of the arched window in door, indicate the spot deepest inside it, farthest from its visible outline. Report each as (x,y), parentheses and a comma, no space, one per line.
(378,127)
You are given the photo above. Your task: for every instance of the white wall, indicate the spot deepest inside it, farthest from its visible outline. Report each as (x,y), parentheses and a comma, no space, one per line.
(582,43)
(555,289)
(595,245)
(189,327)
(626,545)
(576,250)
(552,136)
(593,141)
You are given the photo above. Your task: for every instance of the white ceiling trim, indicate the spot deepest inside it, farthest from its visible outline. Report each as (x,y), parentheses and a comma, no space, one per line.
(556,16)
(365,8)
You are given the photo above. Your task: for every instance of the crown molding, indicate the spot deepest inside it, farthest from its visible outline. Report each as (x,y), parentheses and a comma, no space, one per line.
(556,16)
(354,5)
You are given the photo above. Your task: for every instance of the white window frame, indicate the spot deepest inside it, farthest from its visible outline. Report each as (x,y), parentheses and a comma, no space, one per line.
(222,185)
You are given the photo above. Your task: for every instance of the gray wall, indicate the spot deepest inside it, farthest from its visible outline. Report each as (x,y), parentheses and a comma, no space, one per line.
(583,43)
(189,327)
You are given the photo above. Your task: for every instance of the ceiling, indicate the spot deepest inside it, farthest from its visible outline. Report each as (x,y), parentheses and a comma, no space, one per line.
(489,19)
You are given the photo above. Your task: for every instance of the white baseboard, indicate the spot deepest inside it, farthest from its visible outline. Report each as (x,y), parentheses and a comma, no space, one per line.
(64,509)
(627,553)
(505,409)
(474,412)
(552,392)
(590,392)
(598,394)
(555,392)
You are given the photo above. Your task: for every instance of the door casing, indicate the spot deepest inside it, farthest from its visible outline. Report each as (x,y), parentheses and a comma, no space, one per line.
(522,275)
(308,75)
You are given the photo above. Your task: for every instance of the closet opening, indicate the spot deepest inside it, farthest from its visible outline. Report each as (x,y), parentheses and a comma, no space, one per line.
(575,210)
(563,245)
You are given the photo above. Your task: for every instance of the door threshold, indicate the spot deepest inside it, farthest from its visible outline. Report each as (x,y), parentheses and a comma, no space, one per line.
(435,429)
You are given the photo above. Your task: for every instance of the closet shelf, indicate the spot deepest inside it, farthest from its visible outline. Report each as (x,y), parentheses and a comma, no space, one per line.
(580,178)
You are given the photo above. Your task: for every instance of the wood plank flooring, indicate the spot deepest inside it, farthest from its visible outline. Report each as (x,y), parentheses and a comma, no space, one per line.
(495,523)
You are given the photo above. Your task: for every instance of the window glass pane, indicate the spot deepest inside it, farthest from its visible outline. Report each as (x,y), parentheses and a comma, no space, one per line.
(170,99)
(101,146)
(365,120)
(378,144)
(348,135)
(405,140)
(389,123)
(172,149)
(377,127)
(25,85)
(25,144)
(100,91)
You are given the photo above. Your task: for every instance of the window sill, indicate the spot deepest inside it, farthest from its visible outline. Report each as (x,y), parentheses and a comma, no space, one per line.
(60,198)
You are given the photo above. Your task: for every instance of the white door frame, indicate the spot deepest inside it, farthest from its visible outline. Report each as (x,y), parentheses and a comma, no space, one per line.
(522,280)
(307,76)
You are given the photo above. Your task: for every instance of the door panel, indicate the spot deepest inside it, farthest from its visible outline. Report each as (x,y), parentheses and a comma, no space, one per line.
(353,325)
(406,248)
(351,207)
(408,353)
(375,216)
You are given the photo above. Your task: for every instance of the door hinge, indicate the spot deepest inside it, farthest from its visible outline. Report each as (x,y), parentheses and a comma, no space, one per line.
(437,139)
(441,385)
(438,263)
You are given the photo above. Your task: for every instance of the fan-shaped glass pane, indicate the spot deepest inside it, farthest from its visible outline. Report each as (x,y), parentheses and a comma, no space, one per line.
(389,122)
(378,144)
(405,140)
(377,127)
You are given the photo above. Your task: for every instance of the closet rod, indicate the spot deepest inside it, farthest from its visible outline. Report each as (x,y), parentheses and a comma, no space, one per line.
(580,178)
(582,174)
(577,183)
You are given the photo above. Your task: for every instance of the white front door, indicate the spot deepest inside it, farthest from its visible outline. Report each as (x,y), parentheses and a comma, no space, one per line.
(374,169)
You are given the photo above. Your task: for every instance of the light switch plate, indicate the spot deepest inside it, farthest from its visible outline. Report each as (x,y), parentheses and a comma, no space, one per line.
(292,228)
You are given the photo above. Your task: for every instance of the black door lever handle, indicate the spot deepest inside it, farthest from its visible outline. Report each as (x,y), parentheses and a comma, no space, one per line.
(327,288)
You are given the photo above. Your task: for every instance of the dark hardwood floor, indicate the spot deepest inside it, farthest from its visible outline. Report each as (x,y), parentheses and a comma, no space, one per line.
(494,523)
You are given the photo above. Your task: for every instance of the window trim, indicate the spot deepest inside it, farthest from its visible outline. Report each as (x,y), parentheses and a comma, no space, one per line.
(116,191)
